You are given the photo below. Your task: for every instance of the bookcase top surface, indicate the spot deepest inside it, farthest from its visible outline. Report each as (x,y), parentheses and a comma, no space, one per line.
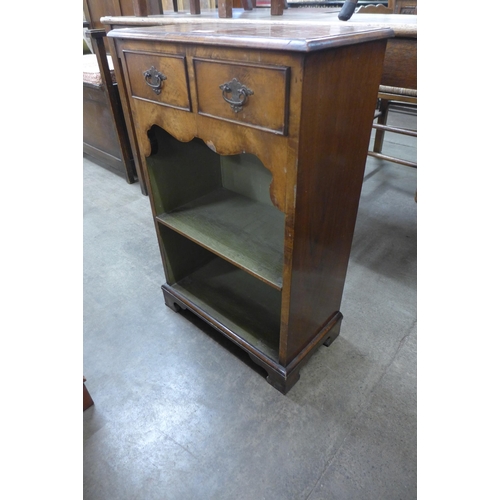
(293,38)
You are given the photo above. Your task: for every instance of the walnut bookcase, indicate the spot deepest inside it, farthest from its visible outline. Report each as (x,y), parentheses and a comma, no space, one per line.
(253,140)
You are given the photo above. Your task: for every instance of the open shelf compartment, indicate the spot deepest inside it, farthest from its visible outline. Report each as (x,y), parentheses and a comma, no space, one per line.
(220,202)
(229,296)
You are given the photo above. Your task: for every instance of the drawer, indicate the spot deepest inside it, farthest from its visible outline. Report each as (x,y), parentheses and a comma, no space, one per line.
(158,78)
(253,95)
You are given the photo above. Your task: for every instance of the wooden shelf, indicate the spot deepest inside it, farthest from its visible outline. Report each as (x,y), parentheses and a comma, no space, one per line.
(246,233)
(246,306)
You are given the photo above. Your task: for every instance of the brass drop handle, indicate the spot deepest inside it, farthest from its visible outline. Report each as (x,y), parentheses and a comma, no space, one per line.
(154,78)
(235,88)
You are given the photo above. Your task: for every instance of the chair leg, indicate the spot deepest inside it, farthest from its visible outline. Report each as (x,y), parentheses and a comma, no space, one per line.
(87,399)
(225,9)
(382,120)
(194,7)
(277,7)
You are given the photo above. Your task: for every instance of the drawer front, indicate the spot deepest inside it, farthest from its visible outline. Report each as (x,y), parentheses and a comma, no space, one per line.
(158,78)
(252,95)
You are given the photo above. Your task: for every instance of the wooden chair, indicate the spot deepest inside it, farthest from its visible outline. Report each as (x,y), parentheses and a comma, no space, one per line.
(392,97)
(398,88)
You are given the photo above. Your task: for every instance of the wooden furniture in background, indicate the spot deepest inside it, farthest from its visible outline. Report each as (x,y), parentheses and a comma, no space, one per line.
(95,9)
(87,399)
(105,137)
(225,7)
(393,98)
(253,140)
(404,6)
(388,7)
(374,9)
(393,7)
(398,86)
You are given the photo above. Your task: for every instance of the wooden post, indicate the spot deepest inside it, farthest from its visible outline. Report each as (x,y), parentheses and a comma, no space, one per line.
(277,7)
(140,8)
(156,7)
(194,7)
(225,8)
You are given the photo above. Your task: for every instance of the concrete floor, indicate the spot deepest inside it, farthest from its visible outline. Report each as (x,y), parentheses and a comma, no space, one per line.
(181,414)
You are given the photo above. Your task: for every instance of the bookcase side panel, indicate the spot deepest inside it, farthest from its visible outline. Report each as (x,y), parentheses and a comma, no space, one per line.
(339,96)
